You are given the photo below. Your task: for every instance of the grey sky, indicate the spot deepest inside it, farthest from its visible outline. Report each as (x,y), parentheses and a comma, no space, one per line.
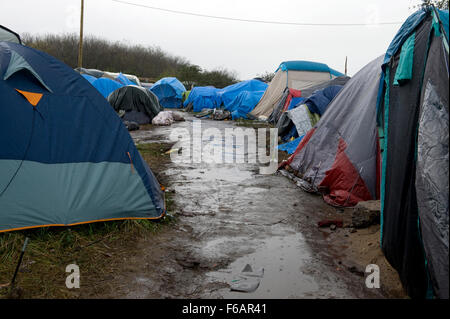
(247,48)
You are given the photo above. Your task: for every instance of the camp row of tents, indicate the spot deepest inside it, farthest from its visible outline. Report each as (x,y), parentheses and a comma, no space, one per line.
(382,134)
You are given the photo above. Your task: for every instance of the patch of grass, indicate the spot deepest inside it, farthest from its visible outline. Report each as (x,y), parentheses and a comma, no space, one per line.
(99,249)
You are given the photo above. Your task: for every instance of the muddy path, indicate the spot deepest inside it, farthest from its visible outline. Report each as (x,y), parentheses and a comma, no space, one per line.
(227,216)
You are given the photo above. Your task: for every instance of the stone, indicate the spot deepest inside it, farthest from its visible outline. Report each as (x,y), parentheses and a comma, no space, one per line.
(366,213)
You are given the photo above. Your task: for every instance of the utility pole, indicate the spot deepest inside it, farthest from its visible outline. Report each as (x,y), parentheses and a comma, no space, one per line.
(345,65)
(80,46)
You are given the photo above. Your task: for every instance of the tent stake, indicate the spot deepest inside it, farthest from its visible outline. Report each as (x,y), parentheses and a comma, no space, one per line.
(25,244)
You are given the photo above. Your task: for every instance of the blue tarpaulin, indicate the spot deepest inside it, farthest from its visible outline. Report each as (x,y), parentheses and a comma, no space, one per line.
(88,77)
(291,146)
(105,86)
(229,93)
(124,80)
(203,97)
(244,103)
(295,102)
(169,92)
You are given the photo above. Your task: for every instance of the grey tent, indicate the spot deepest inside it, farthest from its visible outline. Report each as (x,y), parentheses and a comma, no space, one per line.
(140,105)
(340,155)
(283,122)
(9,35)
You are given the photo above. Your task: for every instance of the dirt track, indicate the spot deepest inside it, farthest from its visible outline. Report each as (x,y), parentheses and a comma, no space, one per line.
(229,215)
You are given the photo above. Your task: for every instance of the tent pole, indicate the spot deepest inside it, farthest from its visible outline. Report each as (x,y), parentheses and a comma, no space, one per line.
(25,244)
(345,65)
(80,46)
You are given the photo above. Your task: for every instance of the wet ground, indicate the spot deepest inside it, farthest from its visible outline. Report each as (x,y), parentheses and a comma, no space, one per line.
(228,216)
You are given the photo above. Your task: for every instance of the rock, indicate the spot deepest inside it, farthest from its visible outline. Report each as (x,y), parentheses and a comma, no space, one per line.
(366,213)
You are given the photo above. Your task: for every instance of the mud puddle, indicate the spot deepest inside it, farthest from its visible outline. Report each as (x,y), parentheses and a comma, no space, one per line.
(229,216)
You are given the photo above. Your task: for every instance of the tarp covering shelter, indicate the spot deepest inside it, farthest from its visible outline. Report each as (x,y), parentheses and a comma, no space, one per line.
(229,93)
(413,111)
(124,80)
(319,100)
(65,156)
(340,154)
(285,124)
(169,92)
(284,103)
(92,72)
(141,105)
(88,77)
(244,103)
(106,86)
(203,97)
(9,35)
(297,75)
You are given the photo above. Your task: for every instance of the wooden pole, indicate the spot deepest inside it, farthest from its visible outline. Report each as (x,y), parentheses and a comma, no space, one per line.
(80,46)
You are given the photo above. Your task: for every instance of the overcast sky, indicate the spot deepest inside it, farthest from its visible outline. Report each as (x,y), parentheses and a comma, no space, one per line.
(247,48)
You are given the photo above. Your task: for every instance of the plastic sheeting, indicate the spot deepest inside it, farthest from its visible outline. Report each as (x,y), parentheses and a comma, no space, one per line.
(105,86)
(203,97)
(432,170)
(244,103)
(229,93)
(132,98)
(291,146)
(169,92)
(124,80)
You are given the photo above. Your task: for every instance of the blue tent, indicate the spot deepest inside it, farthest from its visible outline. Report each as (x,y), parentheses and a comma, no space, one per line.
(88,77)
(106,86)
(244,103)
(203,97)
(169,92)
(229,93)
(66,157)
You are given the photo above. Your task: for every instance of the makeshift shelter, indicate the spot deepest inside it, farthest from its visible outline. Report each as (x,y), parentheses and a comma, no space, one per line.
(88,77)
(169,92)
(229,93)
(106,86)
(9,35)
(92,72)
(285,124)
(141,105)
(124,80)
(282,106)
(65,156)
(340,155)
(244,103)
(413,111)
(203,97)
(297,75)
